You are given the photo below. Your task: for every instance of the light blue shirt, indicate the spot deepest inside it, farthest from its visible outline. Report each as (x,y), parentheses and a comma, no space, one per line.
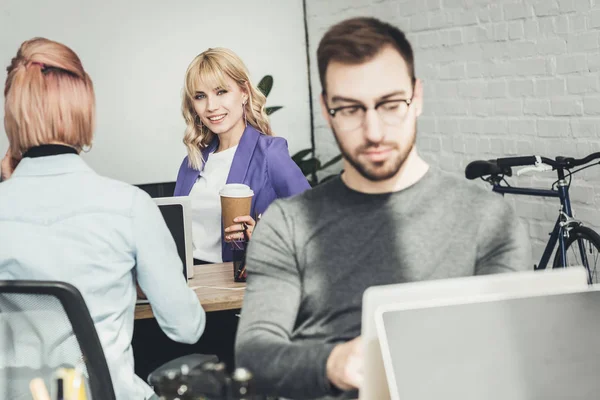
(61,221)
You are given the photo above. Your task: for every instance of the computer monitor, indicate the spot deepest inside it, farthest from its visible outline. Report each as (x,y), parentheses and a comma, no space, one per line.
(375,384)
(177,214)
(507,347)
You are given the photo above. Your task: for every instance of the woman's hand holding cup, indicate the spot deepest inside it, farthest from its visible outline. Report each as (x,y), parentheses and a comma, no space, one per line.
(236,201)
(236,232)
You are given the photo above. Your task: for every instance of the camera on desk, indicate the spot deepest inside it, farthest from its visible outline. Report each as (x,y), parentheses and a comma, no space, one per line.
(208,381)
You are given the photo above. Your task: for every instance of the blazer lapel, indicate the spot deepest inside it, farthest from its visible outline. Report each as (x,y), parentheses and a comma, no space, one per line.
(193,174)
(243,155)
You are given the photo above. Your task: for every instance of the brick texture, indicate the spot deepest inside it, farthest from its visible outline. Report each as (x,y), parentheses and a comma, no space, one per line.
(501,78)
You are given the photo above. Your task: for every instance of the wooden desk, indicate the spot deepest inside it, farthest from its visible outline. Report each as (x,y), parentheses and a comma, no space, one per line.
(214,285)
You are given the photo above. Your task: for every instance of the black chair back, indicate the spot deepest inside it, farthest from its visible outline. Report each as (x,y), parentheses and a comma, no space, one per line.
(45,325)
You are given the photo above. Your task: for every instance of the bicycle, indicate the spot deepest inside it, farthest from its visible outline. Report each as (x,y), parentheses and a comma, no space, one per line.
(567,230)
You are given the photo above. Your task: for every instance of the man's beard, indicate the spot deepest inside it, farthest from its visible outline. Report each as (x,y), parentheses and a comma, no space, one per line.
(378,171)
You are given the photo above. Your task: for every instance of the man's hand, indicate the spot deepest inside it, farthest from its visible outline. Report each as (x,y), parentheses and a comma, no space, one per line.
(344,365)
(8,165)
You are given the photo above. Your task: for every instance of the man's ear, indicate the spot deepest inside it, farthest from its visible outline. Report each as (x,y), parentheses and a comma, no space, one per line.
(418,96)
(324,110)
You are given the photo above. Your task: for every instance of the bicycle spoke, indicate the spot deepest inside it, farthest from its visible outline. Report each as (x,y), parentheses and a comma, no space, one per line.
(584,260)
(578,255)
(593,270)
(575,257)
(596,263)
(582,249)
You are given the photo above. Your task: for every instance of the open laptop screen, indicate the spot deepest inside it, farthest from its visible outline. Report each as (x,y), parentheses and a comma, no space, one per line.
(375,385)
(539,347)
(176,213)
(174,218)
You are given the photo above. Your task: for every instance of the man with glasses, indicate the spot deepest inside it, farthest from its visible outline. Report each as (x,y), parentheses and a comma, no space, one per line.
(389,218)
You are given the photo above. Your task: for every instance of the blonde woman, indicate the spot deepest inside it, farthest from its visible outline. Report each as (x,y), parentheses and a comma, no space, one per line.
(229,140)
(61,221)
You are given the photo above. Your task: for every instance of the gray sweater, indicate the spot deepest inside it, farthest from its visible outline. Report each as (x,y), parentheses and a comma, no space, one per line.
(313,255)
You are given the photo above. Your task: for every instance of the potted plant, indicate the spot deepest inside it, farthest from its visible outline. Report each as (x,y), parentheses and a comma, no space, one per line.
(306,159)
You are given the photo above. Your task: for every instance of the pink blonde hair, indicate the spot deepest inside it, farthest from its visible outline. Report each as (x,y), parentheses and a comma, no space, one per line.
(49,98)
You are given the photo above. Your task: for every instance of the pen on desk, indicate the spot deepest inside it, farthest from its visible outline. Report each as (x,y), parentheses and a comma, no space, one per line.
(242,271)
(38,389)
(246,239)
(78,389)
(60,389)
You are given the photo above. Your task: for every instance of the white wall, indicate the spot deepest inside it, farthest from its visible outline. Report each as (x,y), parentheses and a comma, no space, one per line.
(137,52)
(501,78)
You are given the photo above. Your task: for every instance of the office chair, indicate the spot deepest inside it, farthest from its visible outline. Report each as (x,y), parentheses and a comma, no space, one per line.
(45,325)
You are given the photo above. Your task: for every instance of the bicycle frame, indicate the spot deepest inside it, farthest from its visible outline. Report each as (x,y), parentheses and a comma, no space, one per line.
(565,221)
(557,232)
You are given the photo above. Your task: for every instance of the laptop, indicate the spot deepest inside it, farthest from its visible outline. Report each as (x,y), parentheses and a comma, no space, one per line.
(502,347)
(375,385)
(176,212)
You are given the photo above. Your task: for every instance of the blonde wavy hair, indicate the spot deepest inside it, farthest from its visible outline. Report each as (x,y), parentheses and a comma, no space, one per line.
(211,67)
(49,98)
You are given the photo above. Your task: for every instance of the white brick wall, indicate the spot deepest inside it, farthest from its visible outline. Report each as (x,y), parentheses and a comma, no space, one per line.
(502,78)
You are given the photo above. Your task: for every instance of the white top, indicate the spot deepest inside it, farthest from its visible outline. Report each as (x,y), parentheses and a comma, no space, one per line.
(61,221)
(206,206)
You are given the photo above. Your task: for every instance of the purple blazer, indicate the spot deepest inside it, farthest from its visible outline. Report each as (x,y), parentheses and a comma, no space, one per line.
(261,162)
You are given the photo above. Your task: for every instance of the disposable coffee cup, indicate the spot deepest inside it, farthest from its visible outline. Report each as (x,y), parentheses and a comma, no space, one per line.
(236,199)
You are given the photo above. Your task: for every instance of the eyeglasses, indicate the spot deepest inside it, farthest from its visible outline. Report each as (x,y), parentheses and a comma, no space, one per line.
(349,118)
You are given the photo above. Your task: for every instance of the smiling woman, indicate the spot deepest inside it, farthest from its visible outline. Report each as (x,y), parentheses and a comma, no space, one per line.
(218,80)
(229,140)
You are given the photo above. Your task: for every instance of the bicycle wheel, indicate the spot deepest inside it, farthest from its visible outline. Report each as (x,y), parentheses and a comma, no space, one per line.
(587,239)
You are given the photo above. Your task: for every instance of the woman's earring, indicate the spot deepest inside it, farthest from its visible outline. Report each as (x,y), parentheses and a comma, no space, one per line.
(244,111)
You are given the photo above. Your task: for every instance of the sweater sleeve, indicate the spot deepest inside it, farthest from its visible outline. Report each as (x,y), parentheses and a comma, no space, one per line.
(273,295)
(502,242)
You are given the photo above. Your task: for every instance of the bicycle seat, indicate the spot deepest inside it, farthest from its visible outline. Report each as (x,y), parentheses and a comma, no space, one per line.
(481,168)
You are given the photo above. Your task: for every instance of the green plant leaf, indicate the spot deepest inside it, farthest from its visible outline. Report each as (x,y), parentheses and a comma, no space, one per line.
(265,85)
(309,166)
(271,110)
(332,161)
(300,155)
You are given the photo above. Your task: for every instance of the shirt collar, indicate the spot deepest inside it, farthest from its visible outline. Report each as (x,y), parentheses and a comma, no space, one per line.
(50,165)
(49,150)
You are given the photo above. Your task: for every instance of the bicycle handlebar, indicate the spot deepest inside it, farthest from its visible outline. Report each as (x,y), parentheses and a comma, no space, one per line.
(515,161)
(585,160)
(559,162)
